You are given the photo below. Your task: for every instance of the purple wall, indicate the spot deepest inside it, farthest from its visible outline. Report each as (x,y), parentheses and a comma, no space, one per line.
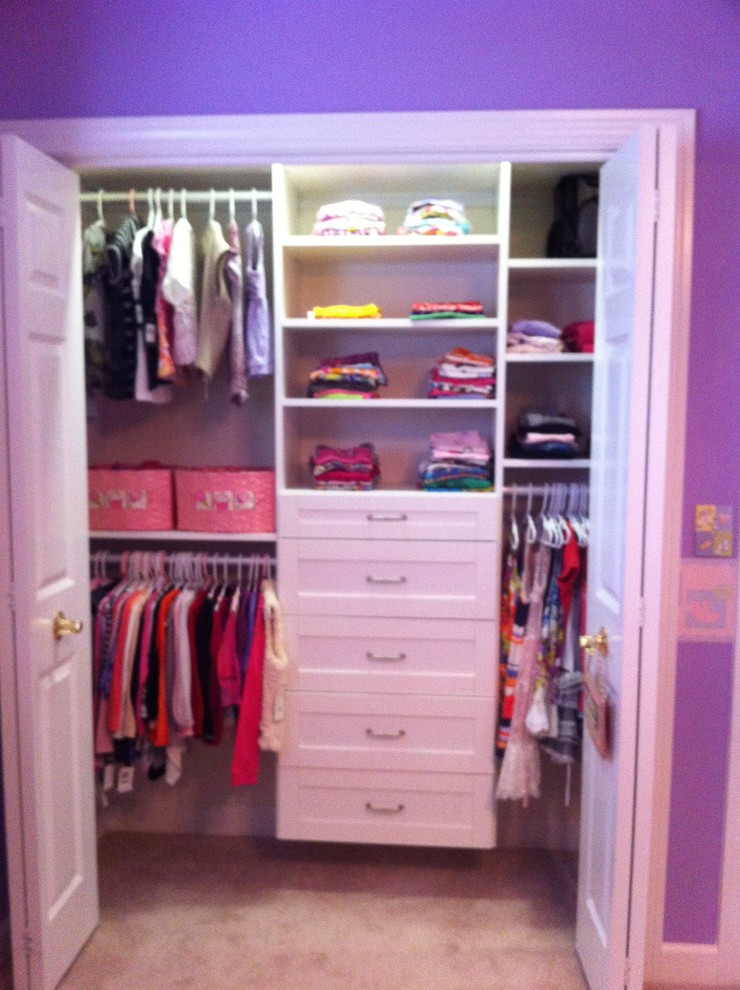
(81,58)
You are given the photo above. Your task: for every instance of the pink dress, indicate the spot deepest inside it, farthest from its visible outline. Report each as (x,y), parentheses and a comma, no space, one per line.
(519,777)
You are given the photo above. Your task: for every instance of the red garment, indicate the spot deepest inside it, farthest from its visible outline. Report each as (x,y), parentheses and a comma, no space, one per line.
(245,764)
(569,571)
(227,661)
(469,306)
(159,731)
(579,337)
(196,695)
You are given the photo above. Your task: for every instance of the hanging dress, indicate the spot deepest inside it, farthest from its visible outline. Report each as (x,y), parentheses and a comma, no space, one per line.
(514,611)
(237,346)
(215,301)
(258,323)
(519,777)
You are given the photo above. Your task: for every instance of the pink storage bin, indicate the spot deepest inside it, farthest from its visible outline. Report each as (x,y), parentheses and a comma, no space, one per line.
(225,500)
(130,498)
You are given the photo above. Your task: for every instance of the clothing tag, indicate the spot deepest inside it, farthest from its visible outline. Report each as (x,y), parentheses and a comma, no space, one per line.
(125,780)
(278,707)
(109,776)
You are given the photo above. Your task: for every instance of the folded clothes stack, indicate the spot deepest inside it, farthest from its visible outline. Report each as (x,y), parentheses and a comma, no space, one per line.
(435,217)
(534,337)
(353,376)
(541,436)
(457,462)
(469,310)
(338,468)
(461,374)
(579,337)
(350,216)
(368,311)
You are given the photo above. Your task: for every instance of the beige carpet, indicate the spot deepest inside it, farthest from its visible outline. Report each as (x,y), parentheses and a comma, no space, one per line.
(195,913)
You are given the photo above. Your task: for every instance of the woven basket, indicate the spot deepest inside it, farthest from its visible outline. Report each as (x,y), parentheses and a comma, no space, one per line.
(129,498)
(225,500)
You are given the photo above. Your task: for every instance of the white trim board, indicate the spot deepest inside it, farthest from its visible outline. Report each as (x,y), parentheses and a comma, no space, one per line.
(521,136)
(244,140)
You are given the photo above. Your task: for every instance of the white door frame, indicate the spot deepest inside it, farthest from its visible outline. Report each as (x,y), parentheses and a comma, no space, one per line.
(585,135)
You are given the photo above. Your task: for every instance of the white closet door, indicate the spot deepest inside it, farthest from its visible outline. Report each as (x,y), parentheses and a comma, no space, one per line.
(621,393)
(48,758)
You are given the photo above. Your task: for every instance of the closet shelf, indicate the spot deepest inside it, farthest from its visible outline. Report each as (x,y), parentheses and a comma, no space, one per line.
(441,404)
(557,267)
(562,358)
(391,324)
(387,247)
(182,535)
(382,492)
(551,462)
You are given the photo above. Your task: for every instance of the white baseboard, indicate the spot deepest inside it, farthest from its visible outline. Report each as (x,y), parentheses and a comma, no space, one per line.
(682,966)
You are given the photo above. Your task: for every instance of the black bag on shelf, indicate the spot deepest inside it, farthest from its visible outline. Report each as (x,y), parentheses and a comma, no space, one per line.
(573,231)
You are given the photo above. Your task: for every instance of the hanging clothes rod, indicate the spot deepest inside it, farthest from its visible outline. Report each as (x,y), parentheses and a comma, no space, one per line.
(152,558)
(210,559)
(192,196)
(537,489)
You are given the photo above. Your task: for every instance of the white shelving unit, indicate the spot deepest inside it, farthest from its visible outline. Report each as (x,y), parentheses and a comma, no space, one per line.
(399,580)
(561,291)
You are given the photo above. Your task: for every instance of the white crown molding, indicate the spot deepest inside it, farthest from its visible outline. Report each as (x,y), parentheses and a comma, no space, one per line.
(466,135)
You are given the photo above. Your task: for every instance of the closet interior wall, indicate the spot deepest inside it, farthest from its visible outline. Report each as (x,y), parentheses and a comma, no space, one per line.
(194,429)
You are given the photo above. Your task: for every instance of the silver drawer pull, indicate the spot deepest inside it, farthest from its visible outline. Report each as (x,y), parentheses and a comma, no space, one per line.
(385,580)
(385,735)
(378,810)
(382,658)
(387,516)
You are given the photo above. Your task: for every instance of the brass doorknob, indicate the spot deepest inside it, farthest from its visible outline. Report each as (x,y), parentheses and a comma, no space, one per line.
(599,642)
(65,627)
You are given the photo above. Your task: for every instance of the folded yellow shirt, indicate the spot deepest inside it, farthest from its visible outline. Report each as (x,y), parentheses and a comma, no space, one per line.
(370,311)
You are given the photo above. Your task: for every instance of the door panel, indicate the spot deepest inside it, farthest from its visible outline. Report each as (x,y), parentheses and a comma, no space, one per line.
(50,761)
(619,441)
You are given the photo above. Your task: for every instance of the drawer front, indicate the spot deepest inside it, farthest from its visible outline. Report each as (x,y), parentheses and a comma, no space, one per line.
(382,577)
(434,809)
(384,516)
(394,656)
(398,732)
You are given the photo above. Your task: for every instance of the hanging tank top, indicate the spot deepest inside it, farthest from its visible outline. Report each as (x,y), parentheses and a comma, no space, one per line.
(258,324)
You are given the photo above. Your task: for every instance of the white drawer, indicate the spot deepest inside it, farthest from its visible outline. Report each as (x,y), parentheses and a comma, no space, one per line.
(432,809)
(391,578)
(395,656)
(390,515)
(394,732)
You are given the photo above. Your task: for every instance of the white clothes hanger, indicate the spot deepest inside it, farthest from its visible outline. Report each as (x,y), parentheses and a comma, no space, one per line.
(514,526)
(101,218)
(184,204)
(531,525)
(232,206)
(157,207)
(212,206)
